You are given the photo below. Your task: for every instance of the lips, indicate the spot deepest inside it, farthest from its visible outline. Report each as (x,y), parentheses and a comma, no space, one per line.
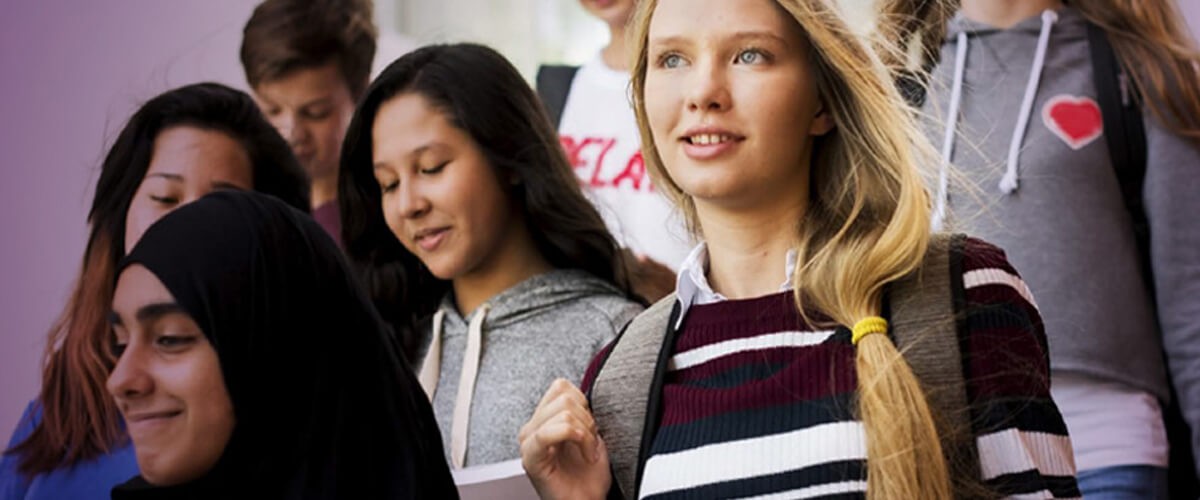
(430,239)
(706,143)
(151,416)
(142,425)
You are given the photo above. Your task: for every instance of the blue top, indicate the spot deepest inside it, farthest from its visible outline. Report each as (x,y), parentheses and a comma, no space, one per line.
(87,480)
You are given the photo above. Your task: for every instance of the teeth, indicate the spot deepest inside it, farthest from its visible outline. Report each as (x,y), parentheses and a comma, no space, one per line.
(707,139)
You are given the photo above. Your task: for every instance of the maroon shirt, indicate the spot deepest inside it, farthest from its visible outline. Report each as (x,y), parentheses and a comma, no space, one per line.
(330,219)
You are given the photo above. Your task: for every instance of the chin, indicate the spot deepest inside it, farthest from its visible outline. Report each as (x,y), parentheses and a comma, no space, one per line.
(444,271)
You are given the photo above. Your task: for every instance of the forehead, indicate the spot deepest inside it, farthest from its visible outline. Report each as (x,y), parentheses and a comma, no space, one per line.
(136,287)
(302,84)
(184,150)
(408,121)
(716,19)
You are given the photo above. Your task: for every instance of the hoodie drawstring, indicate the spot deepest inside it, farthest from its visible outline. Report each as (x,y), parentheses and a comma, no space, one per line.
(432,365)
(466,389)
(431,369)
(960,64)
(1009,182)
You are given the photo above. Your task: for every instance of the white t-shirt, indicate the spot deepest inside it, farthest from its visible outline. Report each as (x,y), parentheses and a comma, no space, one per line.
(600,134)
(1110,424)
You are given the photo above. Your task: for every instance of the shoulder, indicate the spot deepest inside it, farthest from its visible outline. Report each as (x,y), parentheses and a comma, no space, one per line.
(617,310)
(30,419)
(1003,338)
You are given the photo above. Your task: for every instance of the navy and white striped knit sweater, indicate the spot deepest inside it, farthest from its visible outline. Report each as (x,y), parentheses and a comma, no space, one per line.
(758,404)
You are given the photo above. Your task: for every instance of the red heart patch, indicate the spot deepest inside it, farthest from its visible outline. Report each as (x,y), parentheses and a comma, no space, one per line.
(1075,120)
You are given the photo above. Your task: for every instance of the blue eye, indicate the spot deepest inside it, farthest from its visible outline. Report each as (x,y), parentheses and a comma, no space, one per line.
(751,56)
(671,61)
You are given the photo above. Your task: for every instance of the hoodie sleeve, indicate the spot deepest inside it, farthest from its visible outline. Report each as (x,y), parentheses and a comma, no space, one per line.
(1172,200)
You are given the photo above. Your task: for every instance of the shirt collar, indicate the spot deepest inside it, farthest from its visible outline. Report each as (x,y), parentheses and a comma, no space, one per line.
(692,288)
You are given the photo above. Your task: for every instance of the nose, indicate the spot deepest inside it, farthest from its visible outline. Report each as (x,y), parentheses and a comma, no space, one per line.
(291,128)
(412,202)
(129,379)
(707,88)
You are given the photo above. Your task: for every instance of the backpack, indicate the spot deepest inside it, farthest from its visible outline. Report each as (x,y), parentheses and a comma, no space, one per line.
(1125,134)
(553,86)
(923,311)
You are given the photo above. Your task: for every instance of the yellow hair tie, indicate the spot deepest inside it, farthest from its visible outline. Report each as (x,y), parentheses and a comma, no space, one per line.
(867,326)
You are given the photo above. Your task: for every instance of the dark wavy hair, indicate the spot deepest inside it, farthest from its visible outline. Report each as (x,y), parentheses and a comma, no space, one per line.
(79,419)
(481,93)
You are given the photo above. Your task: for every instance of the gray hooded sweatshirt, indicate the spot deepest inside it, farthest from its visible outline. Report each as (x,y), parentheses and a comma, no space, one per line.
(546,327)
(1036,179)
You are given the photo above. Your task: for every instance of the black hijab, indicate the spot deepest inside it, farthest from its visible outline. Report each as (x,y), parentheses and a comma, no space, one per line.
(326,405)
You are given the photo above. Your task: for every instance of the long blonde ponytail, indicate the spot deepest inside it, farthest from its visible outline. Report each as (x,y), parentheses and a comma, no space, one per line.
(867,225)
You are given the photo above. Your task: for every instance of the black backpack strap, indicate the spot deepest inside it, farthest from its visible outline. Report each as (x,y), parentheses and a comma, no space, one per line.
(1125,134)
(625,396)
(924,310)
(554,85)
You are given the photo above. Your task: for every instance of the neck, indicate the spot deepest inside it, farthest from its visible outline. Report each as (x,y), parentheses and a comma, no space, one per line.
(517,260)
(614,54)
(747,252)
(1006,13)
(324,190)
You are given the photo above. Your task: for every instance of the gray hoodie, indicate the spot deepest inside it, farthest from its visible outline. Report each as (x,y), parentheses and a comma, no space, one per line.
(546,327)
(1037,181)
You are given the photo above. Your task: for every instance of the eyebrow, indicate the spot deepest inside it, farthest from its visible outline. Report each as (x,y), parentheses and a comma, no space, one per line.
(226,185)
(148,312)
(738,36)
(167,176)
(416,153)
(325,100)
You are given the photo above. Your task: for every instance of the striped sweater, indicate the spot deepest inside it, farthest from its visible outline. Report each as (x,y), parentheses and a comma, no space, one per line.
(757,403)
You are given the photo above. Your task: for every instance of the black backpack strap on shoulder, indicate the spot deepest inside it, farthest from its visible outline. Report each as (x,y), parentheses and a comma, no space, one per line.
(554,85)
(625,396)
(924,310)
(1125,134)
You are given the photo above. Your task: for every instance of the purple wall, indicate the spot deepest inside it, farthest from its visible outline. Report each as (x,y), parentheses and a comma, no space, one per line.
(72,73)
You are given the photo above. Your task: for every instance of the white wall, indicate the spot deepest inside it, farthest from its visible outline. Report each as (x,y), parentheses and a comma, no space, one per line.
(527,32)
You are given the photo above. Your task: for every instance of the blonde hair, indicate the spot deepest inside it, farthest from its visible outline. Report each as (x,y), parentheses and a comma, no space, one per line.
(867,224)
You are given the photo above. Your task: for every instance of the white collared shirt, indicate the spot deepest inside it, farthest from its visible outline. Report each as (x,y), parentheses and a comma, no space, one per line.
(692,288)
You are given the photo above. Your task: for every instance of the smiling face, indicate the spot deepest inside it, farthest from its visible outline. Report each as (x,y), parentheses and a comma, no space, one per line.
(731,99)
(440,195)
(187,163)
(167,383)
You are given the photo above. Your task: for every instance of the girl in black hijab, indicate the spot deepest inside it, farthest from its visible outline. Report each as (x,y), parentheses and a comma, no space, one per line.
(251,364)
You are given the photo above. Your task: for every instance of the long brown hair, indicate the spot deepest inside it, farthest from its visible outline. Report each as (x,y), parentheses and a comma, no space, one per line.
(481,93)
(1149,37)
(79,420)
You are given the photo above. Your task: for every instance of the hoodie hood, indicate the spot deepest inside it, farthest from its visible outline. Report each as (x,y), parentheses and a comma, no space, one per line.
(569,312)
(1025,45)
(530,298)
